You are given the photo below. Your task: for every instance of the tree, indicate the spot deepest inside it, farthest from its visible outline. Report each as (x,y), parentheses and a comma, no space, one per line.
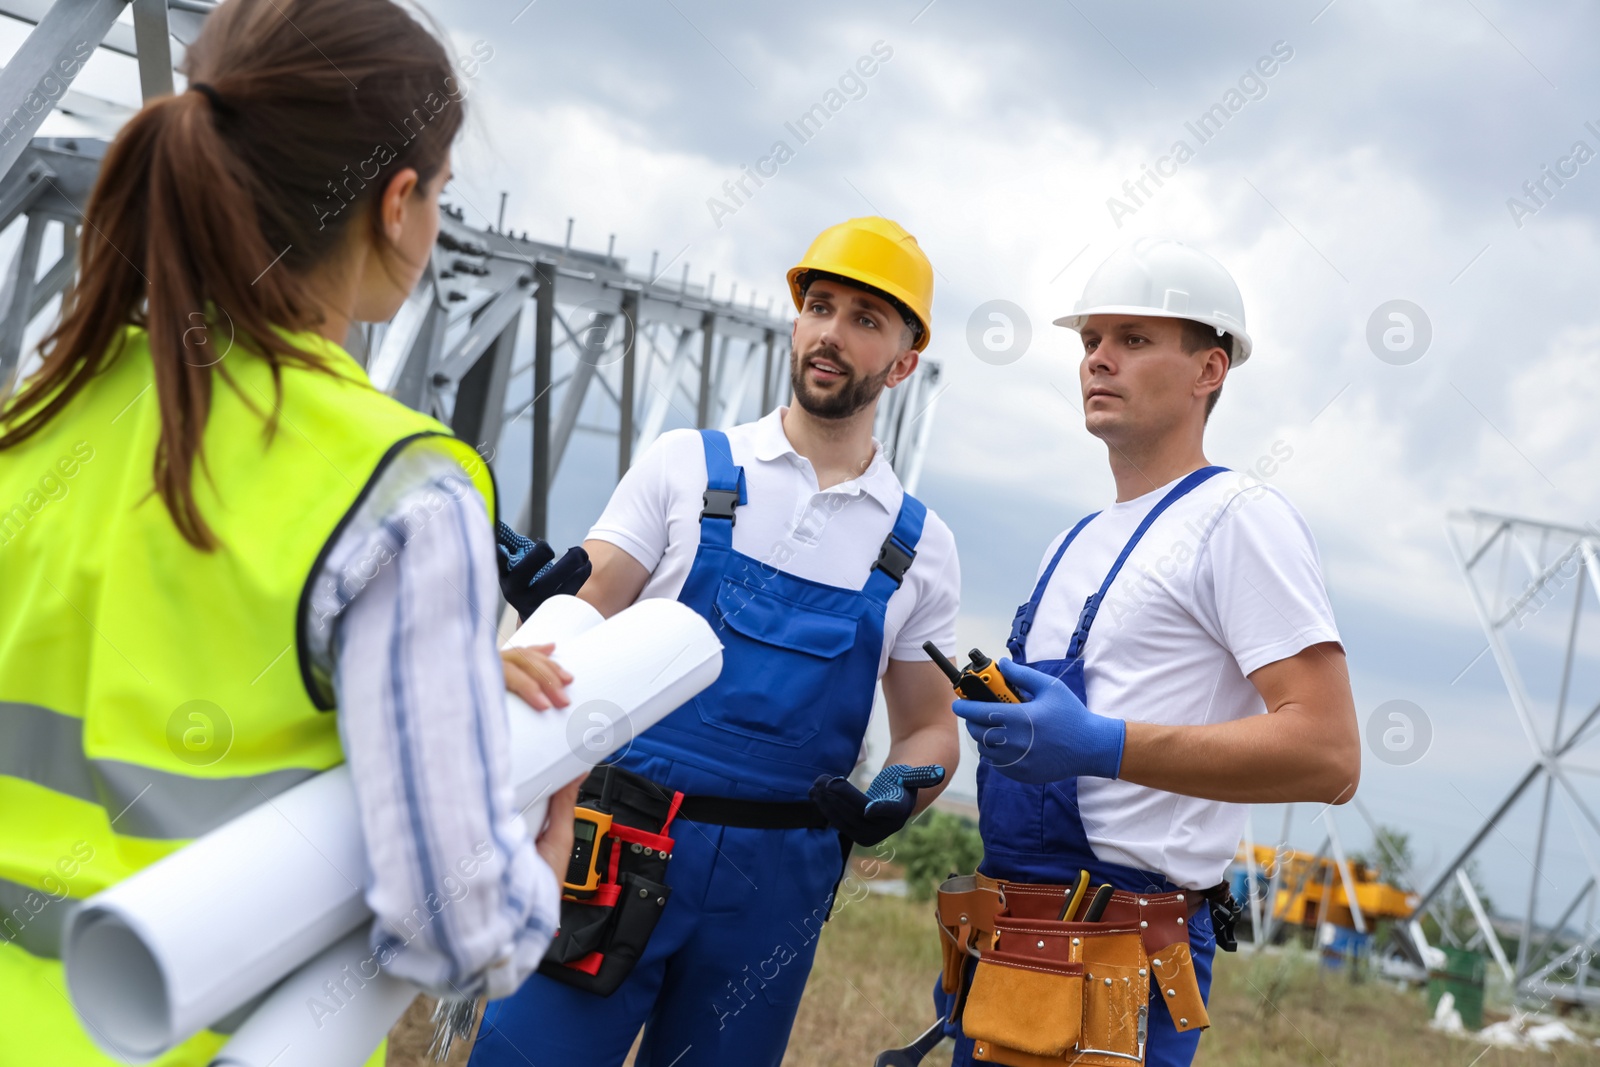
(933,846)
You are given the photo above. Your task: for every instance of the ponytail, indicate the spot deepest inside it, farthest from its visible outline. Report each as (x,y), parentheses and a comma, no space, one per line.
(214,206)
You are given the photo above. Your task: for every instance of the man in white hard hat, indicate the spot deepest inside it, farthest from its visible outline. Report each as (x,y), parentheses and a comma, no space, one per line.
(1177,660)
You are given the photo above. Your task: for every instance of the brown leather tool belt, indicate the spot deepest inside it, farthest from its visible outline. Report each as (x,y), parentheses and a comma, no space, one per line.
(1044,991)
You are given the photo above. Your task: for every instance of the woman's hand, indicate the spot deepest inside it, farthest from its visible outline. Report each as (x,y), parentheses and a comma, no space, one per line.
(536,678)
(555,843)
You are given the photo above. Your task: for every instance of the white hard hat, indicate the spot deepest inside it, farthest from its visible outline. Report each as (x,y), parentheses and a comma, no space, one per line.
(1158,276)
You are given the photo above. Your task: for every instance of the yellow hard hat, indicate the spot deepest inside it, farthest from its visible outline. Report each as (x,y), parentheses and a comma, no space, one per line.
(879,254)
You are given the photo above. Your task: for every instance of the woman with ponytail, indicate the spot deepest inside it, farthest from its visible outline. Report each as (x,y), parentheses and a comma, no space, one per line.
(227,562)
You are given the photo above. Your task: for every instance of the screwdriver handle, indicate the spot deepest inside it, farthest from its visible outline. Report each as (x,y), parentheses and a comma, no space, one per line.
(1097,906)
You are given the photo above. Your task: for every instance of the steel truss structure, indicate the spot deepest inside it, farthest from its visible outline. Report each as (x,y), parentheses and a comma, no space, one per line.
(498,329)
(504,327)
(1542,578)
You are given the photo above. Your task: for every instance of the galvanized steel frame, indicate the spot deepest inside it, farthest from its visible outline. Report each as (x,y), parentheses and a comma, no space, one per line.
(457,345)
(1486,546)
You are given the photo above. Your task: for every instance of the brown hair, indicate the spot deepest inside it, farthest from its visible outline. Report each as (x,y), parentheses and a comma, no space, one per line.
(219,202)
(1198,337)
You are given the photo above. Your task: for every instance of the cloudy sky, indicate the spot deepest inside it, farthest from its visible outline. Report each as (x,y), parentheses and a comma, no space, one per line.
(1371,153)
(1375,163)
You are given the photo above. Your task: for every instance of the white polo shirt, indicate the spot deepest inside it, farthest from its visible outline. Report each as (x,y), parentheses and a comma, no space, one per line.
(1224,582)
(826,535)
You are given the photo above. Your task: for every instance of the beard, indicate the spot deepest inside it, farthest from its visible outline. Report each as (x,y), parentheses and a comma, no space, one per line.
(852,394)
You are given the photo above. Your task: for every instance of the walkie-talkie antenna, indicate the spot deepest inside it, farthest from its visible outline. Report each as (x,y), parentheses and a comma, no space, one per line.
(950,669)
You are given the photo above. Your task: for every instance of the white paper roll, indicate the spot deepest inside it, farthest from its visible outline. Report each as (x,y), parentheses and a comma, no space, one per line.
(558,619)
(188,940)
(330,1013)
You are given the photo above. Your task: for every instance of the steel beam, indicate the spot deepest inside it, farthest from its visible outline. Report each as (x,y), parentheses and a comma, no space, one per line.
(413,380)
(1560,924)
(22,188)
(766,374)
(630,319)
(1477,839)
(708,335)
(1346,878)
(1485,927)
(481,395)
(56,279)
(18,296)
(487,325)
(1533,885)
(591,350)
(152,37)
(37,77)
(655,417)
(537,508)
(736,386)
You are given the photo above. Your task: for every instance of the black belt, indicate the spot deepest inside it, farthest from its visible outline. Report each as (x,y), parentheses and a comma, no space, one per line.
(753,814)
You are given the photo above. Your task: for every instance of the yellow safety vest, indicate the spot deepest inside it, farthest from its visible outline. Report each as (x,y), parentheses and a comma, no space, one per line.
(149,692)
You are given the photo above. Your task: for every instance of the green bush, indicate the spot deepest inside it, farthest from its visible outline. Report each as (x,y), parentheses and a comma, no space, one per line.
(932,846)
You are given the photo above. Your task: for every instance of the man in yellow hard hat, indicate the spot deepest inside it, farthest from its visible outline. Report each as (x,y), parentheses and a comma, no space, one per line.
(709,854)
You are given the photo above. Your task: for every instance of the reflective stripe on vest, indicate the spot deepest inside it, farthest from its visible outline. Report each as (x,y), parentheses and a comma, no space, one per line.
(149,692)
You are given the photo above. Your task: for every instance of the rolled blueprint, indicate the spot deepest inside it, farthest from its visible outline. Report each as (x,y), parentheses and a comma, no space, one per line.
(190,939)
(561,618)
(332,1012)
(557,620)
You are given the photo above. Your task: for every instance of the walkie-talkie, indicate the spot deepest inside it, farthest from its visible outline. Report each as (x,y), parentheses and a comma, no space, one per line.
(980,680)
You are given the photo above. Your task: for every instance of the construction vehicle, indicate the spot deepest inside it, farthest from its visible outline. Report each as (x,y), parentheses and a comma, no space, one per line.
(1291,890)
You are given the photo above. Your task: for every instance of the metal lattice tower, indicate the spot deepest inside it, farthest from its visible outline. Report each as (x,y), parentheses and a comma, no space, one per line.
(1534,589)
(498,329)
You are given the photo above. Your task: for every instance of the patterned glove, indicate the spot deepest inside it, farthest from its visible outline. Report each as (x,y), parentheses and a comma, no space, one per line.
(867,818)
(530,574)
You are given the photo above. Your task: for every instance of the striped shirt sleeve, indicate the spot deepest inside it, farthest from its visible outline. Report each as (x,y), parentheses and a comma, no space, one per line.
(463,903)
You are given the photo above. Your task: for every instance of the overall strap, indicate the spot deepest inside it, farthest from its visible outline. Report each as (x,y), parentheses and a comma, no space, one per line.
(724,490)
(1092,606)
(1022,622)
(898,550)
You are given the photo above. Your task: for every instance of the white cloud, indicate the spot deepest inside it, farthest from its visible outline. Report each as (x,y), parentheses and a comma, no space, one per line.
(1372,170)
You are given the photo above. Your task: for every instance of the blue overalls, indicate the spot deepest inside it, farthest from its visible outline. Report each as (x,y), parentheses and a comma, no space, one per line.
(721,976)
(1033,833)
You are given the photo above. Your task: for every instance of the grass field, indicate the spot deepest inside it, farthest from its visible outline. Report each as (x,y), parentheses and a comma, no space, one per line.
(878,956)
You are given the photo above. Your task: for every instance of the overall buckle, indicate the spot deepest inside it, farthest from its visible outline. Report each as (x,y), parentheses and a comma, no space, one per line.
(894,560)
(720,504)
(1080,636)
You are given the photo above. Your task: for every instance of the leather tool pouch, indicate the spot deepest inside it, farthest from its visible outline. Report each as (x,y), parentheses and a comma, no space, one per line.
(1096,976)
(603,932)
(1049,992)
(967,911)
(1164,926)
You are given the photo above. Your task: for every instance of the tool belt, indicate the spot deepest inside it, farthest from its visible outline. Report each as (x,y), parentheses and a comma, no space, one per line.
(615,888)
(1030,990)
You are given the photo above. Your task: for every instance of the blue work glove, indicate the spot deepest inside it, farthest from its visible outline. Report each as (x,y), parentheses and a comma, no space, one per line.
(1049,737)
(530,574)
(867,818)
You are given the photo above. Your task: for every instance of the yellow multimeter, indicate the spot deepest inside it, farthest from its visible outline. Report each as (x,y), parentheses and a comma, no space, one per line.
(979,680)
(583,869)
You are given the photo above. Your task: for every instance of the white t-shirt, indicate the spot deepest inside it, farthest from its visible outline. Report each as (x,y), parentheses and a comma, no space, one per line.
(1224,582)
(831,535)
